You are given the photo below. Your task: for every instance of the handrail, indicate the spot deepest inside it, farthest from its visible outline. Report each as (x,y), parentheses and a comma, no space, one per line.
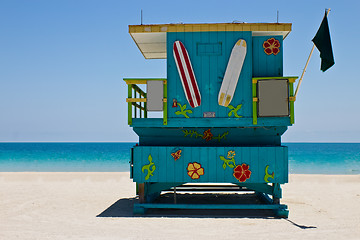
(138,90)
(141,101)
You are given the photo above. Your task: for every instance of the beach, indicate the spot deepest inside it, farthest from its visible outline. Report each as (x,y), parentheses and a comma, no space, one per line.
(53,205)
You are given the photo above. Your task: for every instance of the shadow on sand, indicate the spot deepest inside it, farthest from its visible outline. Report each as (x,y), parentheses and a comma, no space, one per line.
(124,208)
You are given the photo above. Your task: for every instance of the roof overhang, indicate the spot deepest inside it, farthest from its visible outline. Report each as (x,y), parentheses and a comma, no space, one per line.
(151,39)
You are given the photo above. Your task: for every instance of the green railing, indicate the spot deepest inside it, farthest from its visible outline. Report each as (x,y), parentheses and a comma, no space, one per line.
(291,96)
(137,98)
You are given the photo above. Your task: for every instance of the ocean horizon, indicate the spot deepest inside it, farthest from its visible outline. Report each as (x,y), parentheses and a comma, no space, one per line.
(304,158)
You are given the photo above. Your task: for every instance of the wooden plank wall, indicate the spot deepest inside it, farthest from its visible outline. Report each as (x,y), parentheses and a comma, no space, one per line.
(264,65)
(209,53)
(169,170)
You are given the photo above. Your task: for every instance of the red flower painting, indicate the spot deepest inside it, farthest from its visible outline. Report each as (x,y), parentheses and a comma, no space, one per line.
(271,46)
(207,135)
(242,172)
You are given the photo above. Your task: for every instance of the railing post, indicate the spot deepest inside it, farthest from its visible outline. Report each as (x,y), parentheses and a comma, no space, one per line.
(140,105)
(129,104)
(165,103)
(254,82)
(291,91)
(134,105)
(145,107)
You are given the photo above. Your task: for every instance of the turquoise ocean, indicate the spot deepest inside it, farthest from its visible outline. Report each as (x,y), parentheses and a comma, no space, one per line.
(304,158)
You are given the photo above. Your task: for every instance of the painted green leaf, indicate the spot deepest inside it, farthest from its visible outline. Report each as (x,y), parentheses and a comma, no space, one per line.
(183,111)
(147,168)
(234,110)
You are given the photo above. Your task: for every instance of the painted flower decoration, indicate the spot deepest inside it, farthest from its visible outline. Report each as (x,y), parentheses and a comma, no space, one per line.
(231,154)
(271,46)
(195,170)
(174,105)
(242,172)
(207,135)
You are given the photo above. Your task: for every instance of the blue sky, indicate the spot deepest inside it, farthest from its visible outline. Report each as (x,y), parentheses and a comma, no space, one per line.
(62,64)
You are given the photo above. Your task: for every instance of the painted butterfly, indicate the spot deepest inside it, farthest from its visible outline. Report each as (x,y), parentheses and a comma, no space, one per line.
(176,155)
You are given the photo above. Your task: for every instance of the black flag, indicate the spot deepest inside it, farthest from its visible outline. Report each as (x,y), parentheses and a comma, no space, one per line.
(323,42)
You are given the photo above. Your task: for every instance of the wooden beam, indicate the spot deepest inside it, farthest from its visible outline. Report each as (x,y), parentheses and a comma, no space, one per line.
(138,106)
(142,80)
(136,100)
(138,90)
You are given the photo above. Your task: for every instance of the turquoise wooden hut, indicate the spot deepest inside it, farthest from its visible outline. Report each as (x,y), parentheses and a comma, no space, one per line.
(200,139)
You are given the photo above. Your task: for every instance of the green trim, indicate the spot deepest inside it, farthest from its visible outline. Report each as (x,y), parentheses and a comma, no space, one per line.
(165,105)
(145,79)
(254,104)
(267,78)
(292,111)
(291,81)
(129,104)
(131,82)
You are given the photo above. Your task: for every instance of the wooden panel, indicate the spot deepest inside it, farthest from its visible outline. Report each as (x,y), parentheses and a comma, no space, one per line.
(209,70)
(213,165)
(286,164)
(165,154)
(172,81)
(194,136)
(245,155)
(266,65)
(203,69)
(271,162)
(280,166)
(212,160)
(212,104)
(254,155)
(170,166)
(243,92)
(221,68)
(204,159)
(178,164)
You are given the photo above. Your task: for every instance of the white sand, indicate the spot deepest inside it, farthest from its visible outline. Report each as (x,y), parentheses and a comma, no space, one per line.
(66,206)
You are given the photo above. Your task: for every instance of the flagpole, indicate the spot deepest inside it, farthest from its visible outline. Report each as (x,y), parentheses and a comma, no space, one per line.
(307,62)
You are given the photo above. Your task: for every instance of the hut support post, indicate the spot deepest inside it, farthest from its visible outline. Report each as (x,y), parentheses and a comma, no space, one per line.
(141,192)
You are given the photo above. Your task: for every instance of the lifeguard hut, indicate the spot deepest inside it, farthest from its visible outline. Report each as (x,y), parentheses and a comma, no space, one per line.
(225,104)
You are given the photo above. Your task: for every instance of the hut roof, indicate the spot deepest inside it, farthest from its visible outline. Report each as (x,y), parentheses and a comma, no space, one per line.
(151,39)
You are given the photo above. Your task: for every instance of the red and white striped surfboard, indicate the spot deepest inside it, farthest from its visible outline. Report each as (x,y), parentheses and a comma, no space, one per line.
(187,75)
